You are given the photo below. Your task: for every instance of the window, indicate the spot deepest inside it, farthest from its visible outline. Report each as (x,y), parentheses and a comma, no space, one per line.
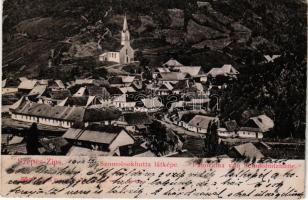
(126,51)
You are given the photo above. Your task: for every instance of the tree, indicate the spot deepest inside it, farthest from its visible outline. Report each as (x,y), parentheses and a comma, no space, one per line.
(32,140)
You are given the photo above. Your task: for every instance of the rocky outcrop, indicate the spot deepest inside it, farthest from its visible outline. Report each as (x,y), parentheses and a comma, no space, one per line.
(214,45)
(84,50)
(146,23)
(209,21)
(177,18)
(196,33)
(47,27)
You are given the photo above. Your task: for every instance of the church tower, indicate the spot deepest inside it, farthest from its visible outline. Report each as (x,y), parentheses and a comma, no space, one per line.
(125,36)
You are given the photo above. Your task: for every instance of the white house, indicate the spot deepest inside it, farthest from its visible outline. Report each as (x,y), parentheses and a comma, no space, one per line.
(249,132)
(200,123)
(60,116)
(150,105)
(125,55)
(122,103)
(225,70)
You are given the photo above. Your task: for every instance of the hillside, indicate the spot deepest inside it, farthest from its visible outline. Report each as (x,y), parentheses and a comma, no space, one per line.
(210,33)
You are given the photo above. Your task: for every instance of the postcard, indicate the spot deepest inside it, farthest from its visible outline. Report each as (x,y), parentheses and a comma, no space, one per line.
(164,99)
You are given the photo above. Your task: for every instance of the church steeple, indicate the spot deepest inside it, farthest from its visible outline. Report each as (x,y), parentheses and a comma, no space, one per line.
(125,27)
(125,36)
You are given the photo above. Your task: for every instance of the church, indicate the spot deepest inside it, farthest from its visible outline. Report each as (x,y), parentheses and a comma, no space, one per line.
(125,55)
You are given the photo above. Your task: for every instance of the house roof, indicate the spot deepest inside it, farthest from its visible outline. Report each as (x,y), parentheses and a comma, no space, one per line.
(74,101)
(172,62)
(172,76)
(60,84)
(84,81)
(10,83)
(191,70)
(137,118)
(16,140)
(67,113)
(80,92)
(152,103)
(38,90)
(167,85)
(147,153)
(27,84)
(114,91)
(225,70)
(199,87)
(127,90)
(81,151)
(263,122)
(3,83)
(101,114)
(248,150)
(98,91)
(128,79)
(186,117)
(201,121)
(43,81)
(162,69)
(115,80)
(60,94)
(102,134)
(182,84)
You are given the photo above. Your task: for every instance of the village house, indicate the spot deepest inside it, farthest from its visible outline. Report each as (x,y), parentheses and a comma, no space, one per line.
(38,91)
(229,129)
(27,85)
(226,70)
(149,105)
(121,81)
(60,94)
(125,53)
(107,139)
(164,89)
(10,86)
(193,71)
(89,82)
(256,126)
(172,63)
(61,116)
(200,123)
(137,122)
(183,118)
(171,77)
(247,150)
(159,70)
(123,103)
(82,101)
(57,85)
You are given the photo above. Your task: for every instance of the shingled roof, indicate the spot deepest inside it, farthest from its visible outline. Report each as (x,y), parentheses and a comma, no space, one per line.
(97,134)
(80,114)
(60,94)
(201,121)
(172,76)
